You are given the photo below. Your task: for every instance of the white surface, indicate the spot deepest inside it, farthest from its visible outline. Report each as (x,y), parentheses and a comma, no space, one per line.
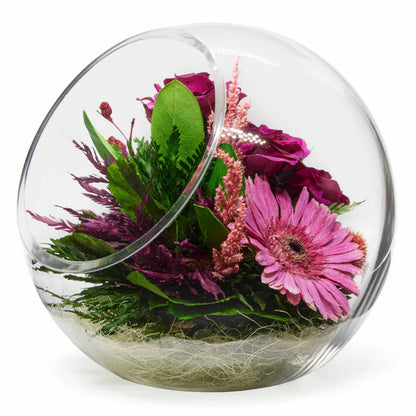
(46,43)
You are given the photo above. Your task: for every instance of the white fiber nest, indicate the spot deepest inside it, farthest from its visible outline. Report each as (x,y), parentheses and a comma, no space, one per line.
(202,365)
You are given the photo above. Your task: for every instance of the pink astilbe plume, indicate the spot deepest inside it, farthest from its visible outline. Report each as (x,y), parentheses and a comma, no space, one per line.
(227,259)
(305,252)
(229,207)
(241,119)
(236,115)
(226,200)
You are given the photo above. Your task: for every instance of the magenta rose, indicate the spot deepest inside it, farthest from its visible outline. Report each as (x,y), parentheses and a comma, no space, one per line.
(199,84)
(276,151)
(319,183)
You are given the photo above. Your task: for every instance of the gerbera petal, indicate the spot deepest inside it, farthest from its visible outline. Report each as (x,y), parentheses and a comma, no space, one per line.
(317,223)
(325,238)
(265,198)
(318,301)
(270,278)
(306,295)
(338,237)
(339,297)
(294,299)
(285,205)
(346,267)
(345,257)
(331,301)
(272,268)
(255,222)
(300,206)
(290,284)
(341,279)
(309,214)
(259,244)
(265,259)
(342,248)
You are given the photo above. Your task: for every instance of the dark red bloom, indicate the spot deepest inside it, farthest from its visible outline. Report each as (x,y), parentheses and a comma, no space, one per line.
(199,84)
(319,183)
(106,110)
(113,141)
(271,150)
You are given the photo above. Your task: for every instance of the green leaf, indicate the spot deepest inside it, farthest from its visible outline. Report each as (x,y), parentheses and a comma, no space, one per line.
(104,149)
(183,312)
(78,246)
(271,316)
(220,170)
(123,184)
(258,300)
(138,279)
(243,300)
(342,208)
(213,230)
(177,106)
(129,190)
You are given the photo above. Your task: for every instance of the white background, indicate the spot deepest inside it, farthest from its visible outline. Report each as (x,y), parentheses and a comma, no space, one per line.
(44,44)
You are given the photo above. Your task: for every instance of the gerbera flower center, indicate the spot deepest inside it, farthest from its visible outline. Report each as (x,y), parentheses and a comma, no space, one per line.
(294,249)
(287,248)
(295,246)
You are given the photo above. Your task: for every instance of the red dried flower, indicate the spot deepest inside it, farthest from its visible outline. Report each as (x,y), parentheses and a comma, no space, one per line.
(113,141)
(106,110)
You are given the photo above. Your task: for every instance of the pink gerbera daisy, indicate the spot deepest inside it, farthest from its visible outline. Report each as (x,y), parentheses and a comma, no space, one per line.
(306,253)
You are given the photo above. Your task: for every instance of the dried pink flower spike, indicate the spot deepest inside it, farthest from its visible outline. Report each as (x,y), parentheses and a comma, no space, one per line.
(229,207)
(226,261)
(236,115)
(226,206)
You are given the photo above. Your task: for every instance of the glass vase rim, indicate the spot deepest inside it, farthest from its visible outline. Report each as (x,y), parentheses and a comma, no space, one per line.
(33,247)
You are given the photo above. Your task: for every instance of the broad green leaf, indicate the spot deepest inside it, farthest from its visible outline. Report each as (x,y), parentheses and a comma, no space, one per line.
(270,316)
(212,229)
(157,302)
(125,186)
(129,190)
(258,299)
(177,106)
(104,149)
(243,300)
(184,312)
(78,246)
(138,279)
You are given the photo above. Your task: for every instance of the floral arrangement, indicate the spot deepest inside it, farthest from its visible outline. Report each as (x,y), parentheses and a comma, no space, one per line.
(259,246)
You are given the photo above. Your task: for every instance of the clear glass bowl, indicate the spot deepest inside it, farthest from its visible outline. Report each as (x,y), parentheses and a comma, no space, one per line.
(208,207)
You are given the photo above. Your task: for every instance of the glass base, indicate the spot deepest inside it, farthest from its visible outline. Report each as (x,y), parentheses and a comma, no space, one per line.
(260,360)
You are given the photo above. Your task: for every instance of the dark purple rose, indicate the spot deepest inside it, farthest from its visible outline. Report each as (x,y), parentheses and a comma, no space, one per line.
(199,84)
(275,150)
(319,184)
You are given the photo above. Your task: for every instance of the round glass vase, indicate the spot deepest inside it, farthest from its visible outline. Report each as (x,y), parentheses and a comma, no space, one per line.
(208,208)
